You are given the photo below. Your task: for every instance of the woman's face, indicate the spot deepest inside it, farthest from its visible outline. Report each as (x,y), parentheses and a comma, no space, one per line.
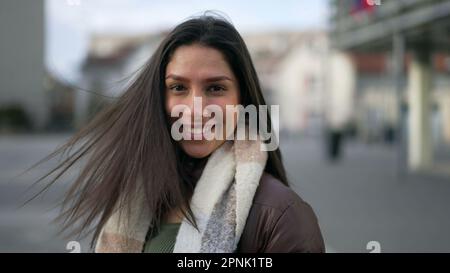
(196,71)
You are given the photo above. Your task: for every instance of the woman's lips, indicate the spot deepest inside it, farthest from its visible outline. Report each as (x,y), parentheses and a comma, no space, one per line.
(196,132)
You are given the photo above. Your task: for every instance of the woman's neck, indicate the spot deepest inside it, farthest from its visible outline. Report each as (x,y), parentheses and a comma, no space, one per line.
(194,167)
(192,171)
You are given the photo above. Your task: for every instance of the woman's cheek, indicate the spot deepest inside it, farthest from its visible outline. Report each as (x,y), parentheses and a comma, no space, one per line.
(170,105)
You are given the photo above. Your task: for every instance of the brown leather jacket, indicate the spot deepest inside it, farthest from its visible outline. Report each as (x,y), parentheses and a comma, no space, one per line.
(280,221)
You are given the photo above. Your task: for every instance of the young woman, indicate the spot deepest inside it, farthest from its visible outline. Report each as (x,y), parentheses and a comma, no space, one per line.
(144,191)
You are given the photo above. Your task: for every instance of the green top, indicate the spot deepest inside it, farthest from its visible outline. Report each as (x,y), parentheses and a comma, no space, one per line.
(162,241)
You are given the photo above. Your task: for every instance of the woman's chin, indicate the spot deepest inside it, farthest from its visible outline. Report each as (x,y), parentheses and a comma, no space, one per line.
(197,148)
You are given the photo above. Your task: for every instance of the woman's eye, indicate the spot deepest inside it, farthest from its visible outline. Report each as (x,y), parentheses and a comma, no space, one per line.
(216,88)
(177,87)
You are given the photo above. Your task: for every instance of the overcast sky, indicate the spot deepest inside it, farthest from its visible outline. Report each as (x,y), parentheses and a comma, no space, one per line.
(70,22)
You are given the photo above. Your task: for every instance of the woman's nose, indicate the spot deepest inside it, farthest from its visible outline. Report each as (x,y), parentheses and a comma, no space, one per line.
(196,103)
(196,107)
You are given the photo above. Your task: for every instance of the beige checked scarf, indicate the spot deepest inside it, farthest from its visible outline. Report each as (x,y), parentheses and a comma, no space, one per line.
(221,202)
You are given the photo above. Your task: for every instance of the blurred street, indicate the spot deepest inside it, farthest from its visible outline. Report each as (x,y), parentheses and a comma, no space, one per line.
(364,199)
(357,200)
(29,228)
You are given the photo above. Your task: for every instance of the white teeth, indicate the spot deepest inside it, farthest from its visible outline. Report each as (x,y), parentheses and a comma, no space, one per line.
(196,131)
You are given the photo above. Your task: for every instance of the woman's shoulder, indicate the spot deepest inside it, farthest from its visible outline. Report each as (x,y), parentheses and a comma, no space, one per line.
(280,221)
(271,192)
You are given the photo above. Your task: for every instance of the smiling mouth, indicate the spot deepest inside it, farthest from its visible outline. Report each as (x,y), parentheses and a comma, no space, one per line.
(197,132)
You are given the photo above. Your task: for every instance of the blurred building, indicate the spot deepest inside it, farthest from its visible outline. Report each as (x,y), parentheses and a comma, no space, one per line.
(376,99)
(400,49)
(111,62)
(60,96)
(268,50)
(23,102)
(292,68)
(300,82)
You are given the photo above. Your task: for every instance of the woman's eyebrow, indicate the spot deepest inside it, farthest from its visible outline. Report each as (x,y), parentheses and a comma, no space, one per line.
(217,78)
(176,77)
(209,79)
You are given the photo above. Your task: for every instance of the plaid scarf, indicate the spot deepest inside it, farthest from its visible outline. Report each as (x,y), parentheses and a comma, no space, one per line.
(221,202)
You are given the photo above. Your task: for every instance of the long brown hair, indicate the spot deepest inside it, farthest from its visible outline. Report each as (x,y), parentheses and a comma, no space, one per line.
(129,141)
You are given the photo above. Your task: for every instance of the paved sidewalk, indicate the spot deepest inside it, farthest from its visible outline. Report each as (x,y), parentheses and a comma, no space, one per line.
(357,200)
(363,198)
